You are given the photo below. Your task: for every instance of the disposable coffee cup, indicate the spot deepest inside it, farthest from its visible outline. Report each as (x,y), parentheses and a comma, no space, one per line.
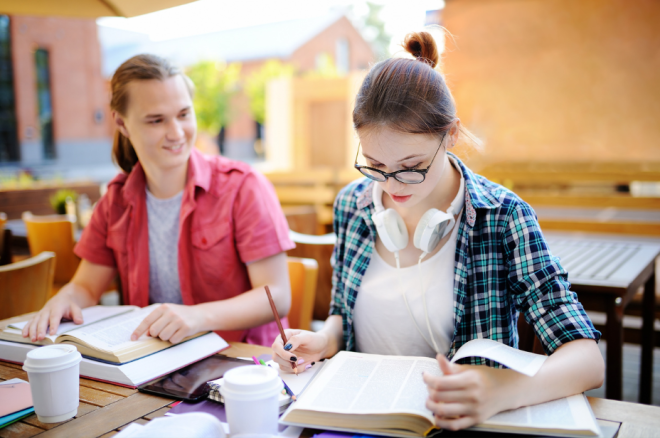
(54,375)
(251,396)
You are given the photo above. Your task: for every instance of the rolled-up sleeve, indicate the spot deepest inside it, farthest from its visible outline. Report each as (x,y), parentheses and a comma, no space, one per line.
(539,284)
(92,245)
(261,228)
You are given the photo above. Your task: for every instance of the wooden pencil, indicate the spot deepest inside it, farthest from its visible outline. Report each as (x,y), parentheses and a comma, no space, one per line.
(279,325)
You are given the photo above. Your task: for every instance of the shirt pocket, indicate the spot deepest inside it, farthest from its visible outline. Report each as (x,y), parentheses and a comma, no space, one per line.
(214,251)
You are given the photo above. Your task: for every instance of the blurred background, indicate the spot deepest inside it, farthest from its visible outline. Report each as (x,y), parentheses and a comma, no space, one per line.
(564,94)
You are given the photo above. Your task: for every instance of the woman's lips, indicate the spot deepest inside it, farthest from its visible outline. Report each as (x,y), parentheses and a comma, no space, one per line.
(400,198)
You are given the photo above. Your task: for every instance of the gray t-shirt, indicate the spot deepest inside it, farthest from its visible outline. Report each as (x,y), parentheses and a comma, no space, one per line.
(163,218)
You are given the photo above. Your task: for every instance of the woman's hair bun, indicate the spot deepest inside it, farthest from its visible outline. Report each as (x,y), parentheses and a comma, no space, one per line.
(422,46)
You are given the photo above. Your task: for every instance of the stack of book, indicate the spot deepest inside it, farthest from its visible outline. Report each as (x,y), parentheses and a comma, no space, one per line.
(15,401)
(108,352)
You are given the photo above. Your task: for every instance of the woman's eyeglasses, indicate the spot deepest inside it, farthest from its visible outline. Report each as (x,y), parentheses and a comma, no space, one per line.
(412,176)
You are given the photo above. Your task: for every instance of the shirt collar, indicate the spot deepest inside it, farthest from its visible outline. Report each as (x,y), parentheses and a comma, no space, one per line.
(199,175)
(477,195)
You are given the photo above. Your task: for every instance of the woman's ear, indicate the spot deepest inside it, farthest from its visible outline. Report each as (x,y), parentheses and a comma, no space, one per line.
(120,124)
(454,132)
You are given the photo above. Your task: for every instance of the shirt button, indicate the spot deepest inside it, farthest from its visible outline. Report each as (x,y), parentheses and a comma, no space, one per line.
(204,240)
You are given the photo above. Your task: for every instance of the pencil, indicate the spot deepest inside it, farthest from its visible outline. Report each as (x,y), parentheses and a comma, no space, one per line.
(279,324)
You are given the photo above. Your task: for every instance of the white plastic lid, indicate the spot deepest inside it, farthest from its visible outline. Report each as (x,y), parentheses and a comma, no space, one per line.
(51,358)
(252,382)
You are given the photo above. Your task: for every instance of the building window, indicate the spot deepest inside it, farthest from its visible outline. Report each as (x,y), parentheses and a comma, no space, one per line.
(342,56)
(9,150)
(42,62)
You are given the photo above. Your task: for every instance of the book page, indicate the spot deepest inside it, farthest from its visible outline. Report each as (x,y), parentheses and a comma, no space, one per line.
(518,360)
(112,334)
(90,315)
(366,383)
(570,413)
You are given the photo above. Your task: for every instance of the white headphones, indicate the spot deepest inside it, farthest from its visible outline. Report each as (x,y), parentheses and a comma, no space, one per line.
(432,227)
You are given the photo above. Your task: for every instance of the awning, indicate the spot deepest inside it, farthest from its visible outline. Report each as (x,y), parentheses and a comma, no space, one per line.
(86,8)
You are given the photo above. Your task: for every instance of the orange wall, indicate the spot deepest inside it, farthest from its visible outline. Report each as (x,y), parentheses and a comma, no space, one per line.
(77,86)
(557,80)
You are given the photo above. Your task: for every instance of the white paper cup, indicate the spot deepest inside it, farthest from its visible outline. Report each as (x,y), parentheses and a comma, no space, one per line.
(251,396)
(54,375)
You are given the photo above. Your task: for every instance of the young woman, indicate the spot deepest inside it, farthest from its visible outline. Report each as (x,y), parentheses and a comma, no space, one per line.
(475,258)
(202,234)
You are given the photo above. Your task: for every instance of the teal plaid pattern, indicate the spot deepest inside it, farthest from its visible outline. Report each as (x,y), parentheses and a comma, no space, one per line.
(503,266)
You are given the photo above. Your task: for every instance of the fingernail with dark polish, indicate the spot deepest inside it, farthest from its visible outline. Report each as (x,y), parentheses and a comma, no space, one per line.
(313,363)
(288,346)
(293,359)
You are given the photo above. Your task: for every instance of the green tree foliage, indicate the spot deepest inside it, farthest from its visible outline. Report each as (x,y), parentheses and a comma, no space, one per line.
(255,86)
(372,28)
(216,84)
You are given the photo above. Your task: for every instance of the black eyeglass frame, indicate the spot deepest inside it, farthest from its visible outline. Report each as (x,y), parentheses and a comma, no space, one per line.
(422,172)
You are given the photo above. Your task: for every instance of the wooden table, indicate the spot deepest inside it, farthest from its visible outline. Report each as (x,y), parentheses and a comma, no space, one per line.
(606,271)
(105,409)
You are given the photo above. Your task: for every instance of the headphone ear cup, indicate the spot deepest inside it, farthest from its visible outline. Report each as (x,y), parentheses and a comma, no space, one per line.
(432,227)
(391,229)
(420,240)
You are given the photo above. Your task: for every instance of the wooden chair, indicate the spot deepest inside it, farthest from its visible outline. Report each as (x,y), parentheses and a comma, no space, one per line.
(5,241)
(53,233)
(25,286)
(3,221)
(527,340)
(302,275)
(320,249)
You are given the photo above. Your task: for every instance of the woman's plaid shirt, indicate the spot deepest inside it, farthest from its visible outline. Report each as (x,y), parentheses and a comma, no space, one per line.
(503,266)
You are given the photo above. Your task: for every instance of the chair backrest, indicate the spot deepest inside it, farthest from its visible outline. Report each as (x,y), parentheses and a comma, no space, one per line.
(53,233)
(3,221)
(302,275)
(25,286)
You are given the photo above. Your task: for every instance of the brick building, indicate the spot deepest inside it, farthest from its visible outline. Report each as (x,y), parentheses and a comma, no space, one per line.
(53,97)
(299,42)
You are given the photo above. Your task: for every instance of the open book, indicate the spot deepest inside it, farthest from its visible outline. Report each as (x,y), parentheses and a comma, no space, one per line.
(105,334)
(386,395)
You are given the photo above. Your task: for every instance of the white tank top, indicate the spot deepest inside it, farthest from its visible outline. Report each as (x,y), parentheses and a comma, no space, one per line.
(382,322)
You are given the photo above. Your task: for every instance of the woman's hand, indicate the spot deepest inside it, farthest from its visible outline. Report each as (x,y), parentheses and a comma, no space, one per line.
(303,348)
(170,322)
(465,395)
(60,306)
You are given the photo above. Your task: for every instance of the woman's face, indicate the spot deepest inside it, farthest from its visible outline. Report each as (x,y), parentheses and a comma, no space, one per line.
(388,150)
(160,122)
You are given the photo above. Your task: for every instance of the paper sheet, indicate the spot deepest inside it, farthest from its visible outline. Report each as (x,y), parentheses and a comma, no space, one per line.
(570,413)
(114,333)
(90,315)
(357,383)
(517,360)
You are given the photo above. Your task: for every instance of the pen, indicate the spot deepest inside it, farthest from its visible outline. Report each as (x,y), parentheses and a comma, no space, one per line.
(286,387)
(279,324)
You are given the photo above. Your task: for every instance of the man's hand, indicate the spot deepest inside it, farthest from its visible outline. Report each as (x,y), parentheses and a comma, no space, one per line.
(170,322)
